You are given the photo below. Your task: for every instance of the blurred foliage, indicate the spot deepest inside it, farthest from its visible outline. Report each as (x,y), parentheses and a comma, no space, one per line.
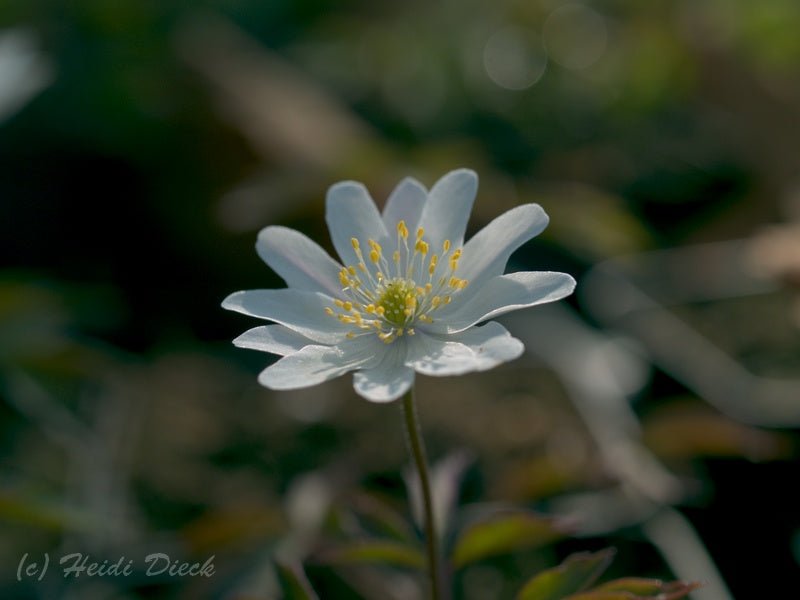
(142,146)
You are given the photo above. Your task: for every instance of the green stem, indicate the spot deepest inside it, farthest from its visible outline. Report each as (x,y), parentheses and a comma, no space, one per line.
(417,446)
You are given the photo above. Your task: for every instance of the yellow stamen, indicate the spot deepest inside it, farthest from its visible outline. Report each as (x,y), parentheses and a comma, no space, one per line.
(392,297)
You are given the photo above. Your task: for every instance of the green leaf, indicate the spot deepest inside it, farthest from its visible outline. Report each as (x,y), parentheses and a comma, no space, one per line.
(385,552)
(38,510)
(575,574)
(633,588)
(635,585)
(294,583)
(381,517)
(503,533)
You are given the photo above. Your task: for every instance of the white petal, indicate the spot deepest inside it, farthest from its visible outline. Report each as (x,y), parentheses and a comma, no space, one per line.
(487,252)
(445,214)
(303,312)
(503,294)
(388,380)
(299,261)
(476,349)
(351,213)
(315,364)
(275,339)
(404,204)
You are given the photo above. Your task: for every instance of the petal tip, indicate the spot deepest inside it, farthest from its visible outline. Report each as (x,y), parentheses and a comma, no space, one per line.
(231,301)
(347,185)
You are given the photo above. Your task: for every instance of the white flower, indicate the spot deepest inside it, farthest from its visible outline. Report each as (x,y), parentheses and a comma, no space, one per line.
(407,296)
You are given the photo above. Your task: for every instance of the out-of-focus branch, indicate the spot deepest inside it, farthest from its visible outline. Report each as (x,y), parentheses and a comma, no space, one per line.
(286,117)
(612,296)
(599,375)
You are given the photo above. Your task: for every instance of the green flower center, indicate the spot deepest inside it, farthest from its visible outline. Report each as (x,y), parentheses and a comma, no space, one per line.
(389,296)
(398,300)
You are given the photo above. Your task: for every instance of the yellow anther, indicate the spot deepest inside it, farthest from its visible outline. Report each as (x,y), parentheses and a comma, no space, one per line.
(408,312)
(348,306)
(453,282)
(446,247)
(436,301)
(343,279)
(402,230)
(420,233)
(339,303)
(434,262)
(370,308)
(428,288)
(399,332)
(411,301)
(410,331)
(355,244)
(462,284)
(374,256)
(396,256)
(352,270)
(329,311)
(380,311)
(447,299)
(363,267)
(422,247)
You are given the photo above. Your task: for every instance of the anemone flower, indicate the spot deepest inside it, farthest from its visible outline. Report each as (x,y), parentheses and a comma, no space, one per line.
(408,295)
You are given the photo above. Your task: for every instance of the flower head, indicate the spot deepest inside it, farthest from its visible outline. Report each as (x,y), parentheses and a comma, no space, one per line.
(407,296)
